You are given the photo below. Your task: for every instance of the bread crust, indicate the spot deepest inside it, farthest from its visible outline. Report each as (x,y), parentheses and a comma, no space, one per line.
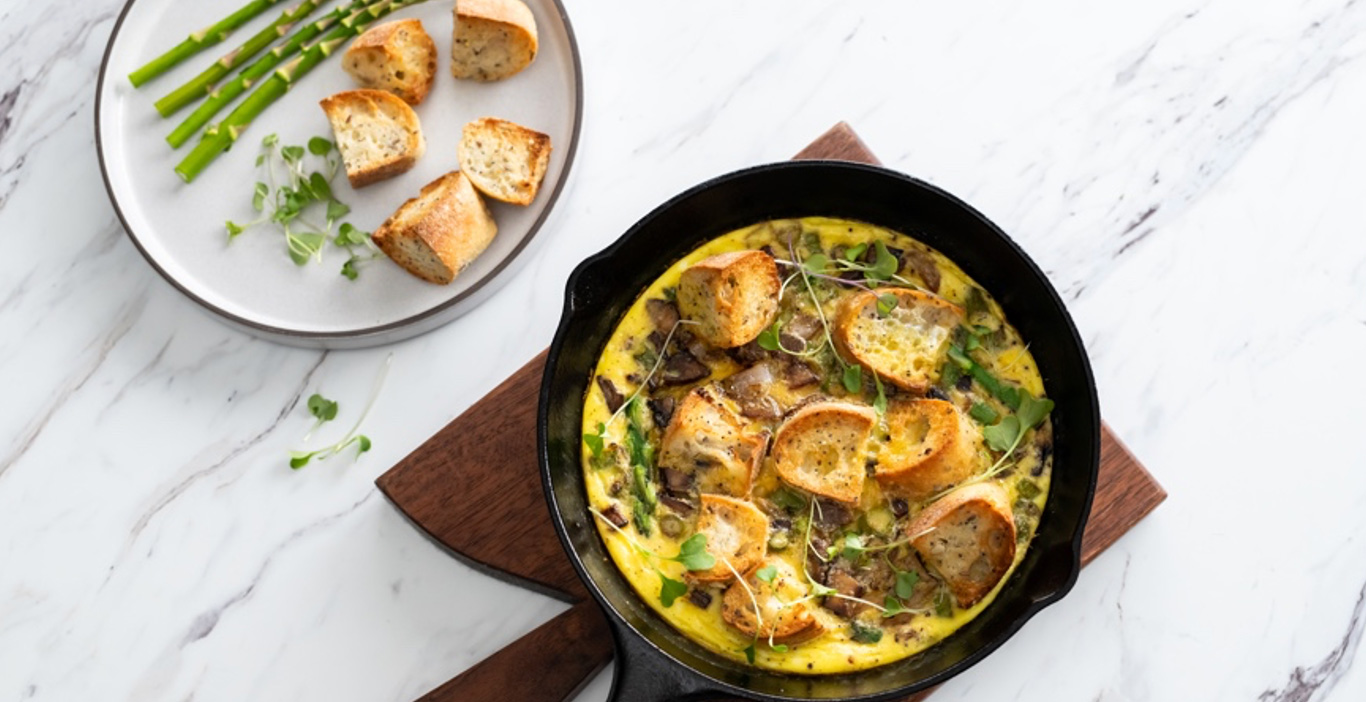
(447,219)
(342,107)
(485,142)
(705,439)
(736,531)
(860,328)
(732,296)
(386,40)
(787,624)
(968,538)
(916,467)
(820,449)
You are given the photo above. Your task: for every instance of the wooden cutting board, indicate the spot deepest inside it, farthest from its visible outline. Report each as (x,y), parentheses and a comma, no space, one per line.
(475,489)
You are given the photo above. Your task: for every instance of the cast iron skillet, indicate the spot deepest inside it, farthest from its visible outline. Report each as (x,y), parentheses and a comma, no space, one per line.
(654,662)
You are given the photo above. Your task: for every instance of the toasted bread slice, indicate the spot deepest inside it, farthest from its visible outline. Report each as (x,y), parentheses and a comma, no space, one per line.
(377,134)
(786,623)
(439,232)
(705,439)
(732,297)
(968,538)
(494,39)
(820,449)
(736,531)
(398,57)
(905,347)
(505,160)
(930,447)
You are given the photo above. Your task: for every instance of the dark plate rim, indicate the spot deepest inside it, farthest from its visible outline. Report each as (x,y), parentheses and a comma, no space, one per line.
(628,640)
(269,330)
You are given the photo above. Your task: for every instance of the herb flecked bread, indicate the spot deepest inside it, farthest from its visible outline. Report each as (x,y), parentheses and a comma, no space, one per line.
(820,449)
(439,232)
(505,160)
(737,533)
(731,296)
(398,57)
(783,616)
(705,439)
(378,135)
(905,346)
(968,538)
(494,39)
(929,447)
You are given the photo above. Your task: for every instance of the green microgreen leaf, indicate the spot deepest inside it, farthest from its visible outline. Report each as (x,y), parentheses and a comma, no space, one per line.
(817,263)
(362,444)
(879,402)
(319,146)
(336,210)
(292,154)
(348,235)
(767,573)
(943,606)
(891,607)
(906,580)
(594,442)
(779,648)
(304,246)
(299,459)
(1002,436)
(886,264)
(983,413)
(886,302)
(853,546)
(1032,411)
(788,499)
(670,590)
(853,378)
(769,338)
(863,633)
(349,269)
(853,252)
(320,187)
(322,408)
(258,197)
(749,653)
(693,553)
(234,229)
(270,140)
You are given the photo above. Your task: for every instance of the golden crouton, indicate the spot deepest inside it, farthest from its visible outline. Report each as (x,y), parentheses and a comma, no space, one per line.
(820,449)
(731,296)
(930,447)
(736,531)
(968,538)
(784,622)
(907,345)
(706,440)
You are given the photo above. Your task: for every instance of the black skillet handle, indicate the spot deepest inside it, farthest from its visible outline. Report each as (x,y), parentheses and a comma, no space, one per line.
(644,674)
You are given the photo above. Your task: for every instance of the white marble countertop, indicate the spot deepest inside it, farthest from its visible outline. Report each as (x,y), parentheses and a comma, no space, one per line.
(1191,175)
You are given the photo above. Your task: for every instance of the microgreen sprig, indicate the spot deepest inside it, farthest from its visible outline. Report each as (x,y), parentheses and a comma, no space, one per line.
(325,410)
(692,555)
(290,203)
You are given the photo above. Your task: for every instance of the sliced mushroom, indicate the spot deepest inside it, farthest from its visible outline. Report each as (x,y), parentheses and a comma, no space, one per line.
(663,314)
(682,368)
(610,393)
(750,389)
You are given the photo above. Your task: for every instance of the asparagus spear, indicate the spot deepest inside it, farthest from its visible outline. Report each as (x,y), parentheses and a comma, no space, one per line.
(203,83)
(225,94)
(220,137)
(199,41)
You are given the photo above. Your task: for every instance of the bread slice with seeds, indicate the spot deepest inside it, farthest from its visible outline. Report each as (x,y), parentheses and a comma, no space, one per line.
(737,533)
(494,39)
(398,57)
(927,446)
(820,449)
(968,538)
(438,233)
(378,135)
(782,616)
(731,296)
(705,439)
(505,160)
(905,345)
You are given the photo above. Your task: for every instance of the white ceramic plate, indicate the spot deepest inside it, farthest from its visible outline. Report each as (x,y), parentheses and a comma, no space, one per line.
(252,283)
